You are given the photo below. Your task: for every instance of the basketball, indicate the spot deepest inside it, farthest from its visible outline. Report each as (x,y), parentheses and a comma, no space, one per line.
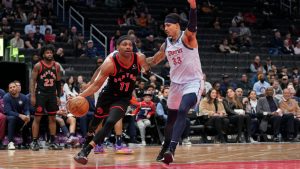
(78,106)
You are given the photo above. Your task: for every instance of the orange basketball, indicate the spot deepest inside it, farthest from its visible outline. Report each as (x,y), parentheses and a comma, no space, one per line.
(78,106)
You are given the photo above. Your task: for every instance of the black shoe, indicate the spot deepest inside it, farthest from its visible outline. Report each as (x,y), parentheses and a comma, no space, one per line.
(81,157)
(276,139)
(54,146)
(2,147)
(35,146)
(161,154)
(168,156)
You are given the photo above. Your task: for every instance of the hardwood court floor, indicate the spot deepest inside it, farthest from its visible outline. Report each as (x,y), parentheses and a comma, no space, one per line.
(208,156)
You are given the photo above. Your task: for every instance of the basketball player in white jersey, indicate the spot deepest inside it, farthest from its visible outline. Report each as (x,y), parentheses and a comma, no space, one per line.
(181,50)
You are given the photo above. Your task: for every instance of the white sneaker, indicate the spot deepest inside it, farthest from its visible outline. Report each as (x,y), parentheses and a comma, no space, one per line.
(11,146)
(186,141)
(143,143)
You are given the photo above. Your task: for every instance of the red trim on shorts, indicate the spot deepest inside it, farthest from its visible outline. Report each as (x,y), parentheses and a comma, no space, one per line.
(118,107)
(51,113)
(126,67)
(38,114)
(100,116)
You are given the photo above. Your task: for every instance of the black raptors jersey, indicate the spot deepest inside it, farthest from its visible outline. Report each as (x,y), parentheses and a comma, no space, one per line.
(46,78)
(122,83)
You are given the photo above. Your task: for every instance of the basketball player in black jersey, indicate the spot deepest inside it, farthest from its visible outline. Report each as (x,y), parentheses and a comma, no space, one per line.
(121,69)
(45,91)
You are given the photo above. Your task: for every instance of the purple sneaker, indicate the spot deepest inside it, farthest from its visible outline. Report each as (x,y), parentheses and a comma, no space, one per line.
(123,150)
(99,149)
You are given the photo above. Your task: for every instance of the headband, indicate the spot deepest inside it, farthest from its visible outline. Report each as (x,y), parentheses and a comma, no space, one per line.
(171,20)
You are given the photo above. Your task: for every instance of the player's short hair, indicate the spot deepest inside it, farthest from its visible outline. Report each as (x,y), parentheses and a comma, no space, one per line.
(47,47)
(122,38)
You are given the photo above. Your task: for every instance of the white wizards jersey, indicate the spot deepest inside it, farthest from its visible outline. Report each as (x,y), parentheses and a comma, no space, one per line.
(184,62)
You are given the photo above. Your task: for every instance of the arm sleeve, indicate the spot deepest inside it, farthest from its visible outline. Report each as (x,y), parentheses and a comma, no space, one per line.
(192,24)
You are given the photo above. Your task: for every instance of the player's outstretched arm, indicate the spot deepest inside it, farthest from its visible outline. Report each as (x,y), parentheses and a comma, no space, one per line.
(158,56)
(142,62)
(190,33)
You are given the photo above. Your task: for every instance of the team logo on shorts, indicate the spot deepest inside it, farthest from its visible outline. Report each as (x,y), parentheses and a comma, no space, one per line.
(39,109)
(99,110)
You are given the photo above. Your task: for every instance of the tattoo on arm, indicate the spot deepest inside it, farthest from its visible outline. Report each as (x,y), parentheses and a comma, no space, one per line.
(158,56)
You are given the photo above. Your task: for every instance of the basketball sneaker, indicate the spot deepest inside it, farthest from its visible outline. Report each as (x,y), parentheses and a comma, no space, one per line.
(54,146)
(11,146)
(168,156)
(123,150)
(72,140)
(35,146)
(160,156)
(81,157)
(99,149)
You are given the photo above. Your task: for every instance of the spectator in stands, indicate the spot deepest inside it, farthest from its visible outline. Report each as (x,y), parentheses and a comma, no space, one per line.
(297,47)
(244,84)
(234,42)
(295,73)
(225,48)
(268,109)
(277,88)
(38,36)
(276,43)
(284,82)
(2,119)
(151,88)
(59,56)
(113,39)
(63,36)
(268,65)
(17,41)
(73,37)
(293,93)
(20,15)
(216,85)
(6,27)
(91,51)
(238,19)
(144,111)
(35,14)
(30,28)
(261,85)
(287,49)
(49,37)
(139,92)
(16,106)
(294,31)
(216,23)
(31,42)
(69,87)
(236,115)
(211,107)
(227,83)
(244,31)
(256,64)
(289,108)
(251,110)
(45,26)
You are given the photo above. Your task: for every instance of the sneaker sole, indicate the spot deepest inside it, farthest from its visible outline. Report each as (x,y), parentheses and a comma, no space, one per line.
(168,158)
(81,160)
